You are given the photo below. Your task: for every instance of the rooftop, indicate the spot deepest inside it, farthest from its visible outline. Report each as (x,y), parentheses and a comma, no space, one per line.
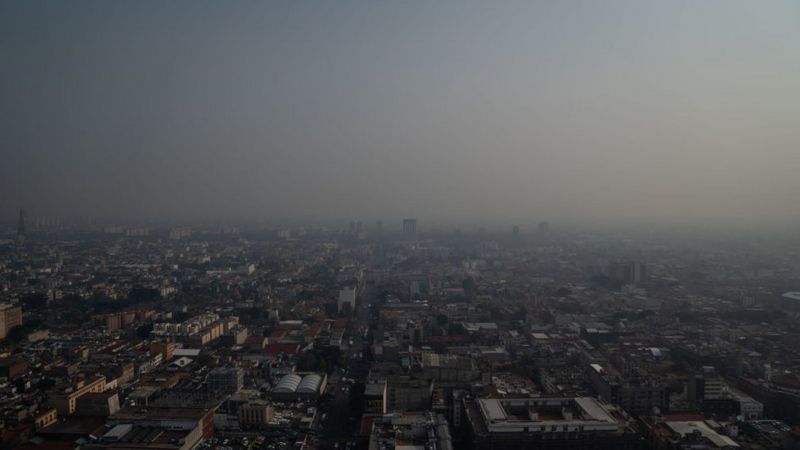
(554,414)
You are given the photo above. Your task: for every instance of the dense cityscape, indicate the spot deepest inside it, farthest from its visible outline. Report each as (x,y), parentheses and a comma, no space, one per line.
(399,225)
(367,336)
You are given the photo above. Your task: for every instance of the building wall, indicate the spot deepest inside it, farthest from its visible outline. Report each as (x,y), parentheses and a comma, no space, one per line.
(46,418)
(254,415)
(10,317)
(12,368)
(226,380)
(65,402)
(97,405)
(409,396)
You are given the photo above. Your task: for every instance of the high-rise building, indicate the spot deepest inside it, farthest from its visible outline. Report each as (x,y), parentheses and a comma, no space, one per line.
(628,272)
(10,317)
(361,231)
(375,395)
(43,223)
(544,227)
(410,228)
(515,231)
(180,233)
(23,218)
(713,386)
(347,299)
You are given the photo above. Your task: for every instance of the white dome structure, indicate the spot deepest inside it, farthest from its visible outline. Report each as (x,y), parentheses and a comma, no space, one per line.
(288,384)
(310,384)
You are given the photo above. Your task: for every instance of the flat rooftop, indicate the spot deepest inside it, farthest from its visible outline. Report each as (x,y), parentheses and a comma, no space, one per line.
(551,414)
(696,426)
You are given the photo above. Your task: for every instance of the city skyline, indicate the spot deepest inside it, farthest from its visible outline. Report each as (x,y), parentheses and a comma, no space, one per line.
(410,225)
(457,112)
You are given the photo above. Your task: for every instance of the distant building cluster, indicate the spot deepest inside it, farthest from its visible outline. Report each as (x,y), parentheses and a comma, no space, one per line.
(147,336)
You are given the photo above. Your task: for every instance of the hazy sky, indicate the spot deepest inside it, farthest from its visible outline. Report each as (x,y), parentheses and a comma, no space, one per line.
(441,110)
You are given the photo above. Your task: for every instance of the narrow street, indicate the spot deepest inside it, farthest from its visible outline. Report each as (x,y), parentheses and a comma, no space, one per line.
(340,424)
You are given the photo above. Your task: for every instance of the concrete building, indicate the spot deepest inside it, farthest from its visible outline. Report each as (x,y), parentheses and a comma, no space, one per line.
(686,433)
(97,404)
(199,330)
(10,317)
(543,227)
(347,299)
(165,348)
(66,400)
(299,386)
(713,386)
(375,398)
(45,418)
(640,396)
(255,414)
(165,427)
(13,367)
(21,224)
(410,431)
(749,408)
(235,336)
(408,394)
(446,367)
(706,386)
(226,379)
(410,229)
(180,233)
(548,423)
(627,272)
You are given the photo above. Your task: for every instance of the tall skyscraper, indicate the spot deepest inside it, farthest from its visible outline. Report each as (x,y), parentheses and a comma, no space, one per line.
(543,227)
(23,218)
(410,228)
(628,272)
(515,232)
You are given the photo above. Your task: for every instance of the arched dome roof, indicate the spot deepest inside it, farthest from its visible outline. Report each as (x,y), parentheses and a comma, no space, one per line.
(288,383)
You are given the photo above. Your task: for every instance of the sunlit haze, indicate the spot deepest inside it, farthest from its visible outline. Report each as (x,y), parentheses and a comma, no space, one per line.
(679,111)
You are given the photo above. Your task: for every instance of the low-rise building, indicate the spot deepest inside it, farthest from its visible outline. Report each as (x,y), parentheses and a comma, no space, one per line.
(66,400)
(549,423)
